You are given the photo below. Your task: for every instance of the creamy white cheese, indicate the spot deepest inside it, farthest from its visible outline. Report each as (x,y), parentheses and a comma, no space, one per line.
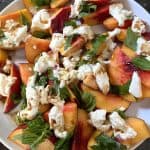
(15,37)
(67,31)
(11,24)
(138,25)
(115,32)
(41,20)
(119,13)
(98,118)
(56,121)
(117,123)
(135,87)
(75,8)
(7,66)
(44,62)
(6,83)
(148,58)
(140,42)
(57,41)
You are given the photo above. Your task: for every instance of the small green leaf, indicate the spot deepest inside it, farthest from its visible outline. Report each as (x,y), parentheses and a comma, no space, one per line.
(41,34)
(40,3)
(131,39)
(64,93)
(142,63)
(104,142)
(24,20)
(68,41)
(1,33)
(71,22)
(122,114)
(64,143)
(41,80)
(122,89)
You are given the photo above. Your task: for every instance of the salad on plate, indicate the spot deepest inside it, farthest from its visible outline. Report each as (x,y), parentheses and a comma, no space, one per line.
(85,62)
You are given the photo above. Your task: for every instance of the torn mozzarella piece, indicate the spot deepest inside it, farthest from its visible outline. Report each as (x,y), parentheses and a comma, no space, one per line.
(6,83)
(85,31)
(117,123)
(57,41)
(138,25)
(135,86)
(56,121)
(41,20)
(11,24)
(114,33)
(98,118)
(119,13)
(44,62)
(67,31)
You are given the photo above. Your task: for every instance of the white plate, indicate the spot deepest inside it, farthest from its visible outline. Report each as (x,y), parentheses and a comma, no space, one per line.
(140,109)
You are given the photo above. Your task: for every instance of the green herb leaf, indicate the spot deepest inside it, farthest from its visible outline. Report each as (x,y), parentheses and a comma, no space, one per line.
(23,96)
(142,63)
(105,142)
(85,100)
(87,8)
(71,22)
(41,34)
(41,80)
(64,144)
(37,130)
(131,39)
(122,89)
(40,3)
(1,33)
(64,93)
(24,20)
(96,43)
(122,114)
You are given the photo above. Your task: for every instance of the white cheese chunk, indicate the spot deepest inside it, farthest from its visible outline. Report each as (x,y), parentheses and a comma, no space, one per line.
(138,25)
(115,32)
(6,83)
(11,24)
(41,20)
(140,42)
(44,62)
(119,13)
(57,41)
(56,121)
(67,31)
(98,118)
(135,87)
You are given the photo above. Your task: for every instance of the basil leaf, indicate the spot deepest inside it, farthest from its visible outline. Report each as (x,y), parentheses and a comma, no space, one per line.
(24,20)
(37,130)
(121,90)
(104,142)
(23,95)
(71,22)
(85,100)
(64,93)
(1,33)
(40,3)
(41,34)
(41,80)
(87,8)
(16,98)
(142,63)
(64,144)
(68,41)
(96,43)
(122,114)
(131,39)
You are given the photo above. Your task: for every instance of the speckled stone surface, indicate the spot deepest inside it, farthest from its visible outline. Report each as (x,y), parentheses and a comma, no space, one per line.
(144,3)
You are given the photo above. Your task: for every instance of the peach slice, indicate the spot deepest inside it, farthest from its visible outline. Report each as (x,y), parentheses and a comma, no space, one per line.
(26,70)
(99,2)
(97,17)
(58,3)
(59,18)
(145,78)
(3,57)
(34,47)
(70,116)
(120,70)
(44,107)
(75,47)
(109,102)
(15,89)
(122,35)
(16,16)
(141,128)
(145,92)
(83,131)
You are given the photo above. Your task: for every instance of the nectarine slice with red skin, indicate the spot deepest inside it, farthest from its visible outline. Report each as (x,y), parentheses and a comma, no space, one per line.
(147,35)
(145,92)
(15,89)
(145,78)
(97,17)
(26,71)
(120,69)
(3,57)
(109,102)
(99,2)
(70,116)
(58,3)
(58,20)
(82,132)
(34,47)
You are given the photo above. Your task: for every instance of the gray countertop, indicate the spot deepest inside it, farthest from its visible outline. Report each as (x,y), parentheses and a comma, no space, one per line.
(144,3)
